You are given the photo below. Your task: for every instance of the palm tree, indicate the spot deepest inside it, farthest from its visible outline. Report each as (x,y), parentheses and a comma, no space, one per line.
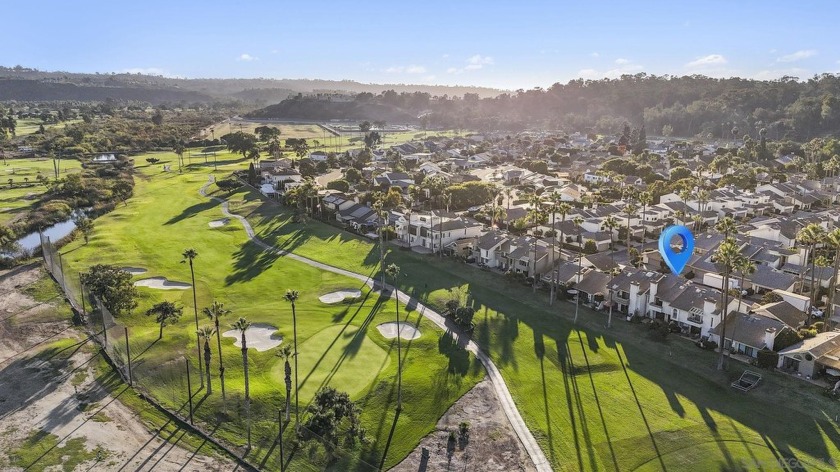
(499,214)
(165,313)
(745,267)
(508,195)
(629,209)
(578,222)
(537,214)
(810,236)
(206,333)
(393,271)
(555,200)
(285,353)
(832,239)
(726,257)
(645,198)
(188,256)
(214,312)
(610,223)
(698,219)
(613,272)
(242,326)
(726,226)
(291,296)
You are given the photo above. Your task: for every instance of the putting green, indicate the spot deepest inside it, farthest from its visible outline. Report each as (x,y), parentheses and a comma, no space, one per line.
(348,360)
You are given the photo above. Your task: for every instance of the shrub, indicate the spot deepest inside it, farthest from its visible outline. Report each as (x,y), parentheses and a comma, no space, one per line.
(590,247)
(767,359)
(659,330)
(707,345)
(340,185)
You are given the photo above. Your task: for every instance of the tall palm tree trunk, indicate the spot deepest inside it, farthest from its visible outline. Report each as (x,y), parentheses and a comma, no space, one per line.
(553,252)
(723,314)
(247,388)
(207,365)
(197,340)
(221,363)
(399,349)
(297,385)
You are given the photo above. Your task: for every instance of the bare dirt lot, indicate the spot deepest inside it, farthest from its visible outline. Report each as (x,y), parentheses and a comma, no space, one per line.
(54,412)
(492,444)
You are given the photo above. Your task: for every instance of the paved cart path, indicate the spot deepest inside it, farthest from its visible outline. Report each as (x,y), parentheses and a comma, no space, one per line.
(499,385)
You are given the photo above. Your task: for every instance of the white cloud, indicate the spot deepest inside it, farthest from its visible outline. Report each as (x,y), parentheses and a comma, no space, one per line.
(710,60)
(594,54)
(445,56)
(625,68)
(412,69)
(475,62)
(274,51)
(773,74)
(797,56)
(621,61)
(245,57)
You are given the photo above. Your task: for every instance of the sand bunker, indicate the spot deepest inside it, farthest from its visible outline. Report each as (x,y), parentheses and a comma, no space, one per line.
(259,336)
(339,296)
(219,223)
(134,270)
(389,330)
(161,283)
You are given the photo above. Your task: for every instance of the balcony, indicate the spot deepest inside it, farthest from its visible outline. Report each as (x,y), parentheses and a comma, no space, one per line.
(698,319)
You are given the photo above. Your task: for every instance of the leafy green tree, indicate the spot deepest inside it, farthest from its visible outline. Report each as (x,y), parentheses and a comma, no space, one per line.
(333,419)
(267,133)
(165,313)
(112,286)
(84,225)
(241,143)
(340,185)
(8,240)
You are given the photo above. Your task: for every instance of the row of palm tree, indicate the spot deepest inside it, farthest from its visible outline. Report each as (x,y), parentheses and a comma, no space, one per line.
(821,247)
(167,313)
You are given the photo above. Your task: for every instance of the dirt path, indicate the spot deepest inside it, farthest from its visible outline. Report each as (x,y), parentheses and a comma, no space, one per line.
(495,377)
(492,445)
(50,391)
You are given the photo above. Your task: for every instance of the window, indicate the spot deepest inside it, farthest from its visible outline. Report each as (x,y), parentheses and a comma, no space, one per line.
(749,351)
(674,313)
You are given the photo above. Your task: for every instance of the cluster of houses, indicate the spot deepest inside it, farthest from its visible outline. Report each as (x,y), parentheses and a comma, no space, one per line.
(769,218)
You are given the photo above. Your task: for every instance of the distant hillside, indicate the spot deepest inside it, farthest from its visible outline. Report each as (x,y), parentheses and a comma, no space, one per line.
(256,91)
(313,109)
(32,90)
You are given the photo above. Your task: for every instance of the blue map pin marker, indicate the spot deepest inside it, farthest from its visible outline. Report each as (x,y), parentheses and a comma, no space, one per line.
(676,260)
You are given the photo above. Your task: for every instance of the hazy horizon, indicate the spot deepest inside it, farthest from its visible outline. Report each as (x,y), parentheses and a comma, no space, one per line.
(483,45)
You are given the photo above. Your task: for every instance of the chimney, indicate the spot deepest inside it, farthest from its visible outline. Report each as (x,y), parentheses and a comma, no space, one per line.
(709,306)
(634,298)
(769,337)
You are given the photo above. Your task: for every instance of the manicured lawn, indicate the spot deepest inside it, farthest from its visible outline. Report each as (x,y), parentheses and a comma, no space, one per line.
(598,398)
(25,188)
(29,126)
(339,344)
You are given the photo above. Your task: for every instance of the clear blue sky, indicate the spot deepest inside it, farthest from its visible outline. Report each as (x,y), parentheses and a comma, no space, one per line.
(506,45)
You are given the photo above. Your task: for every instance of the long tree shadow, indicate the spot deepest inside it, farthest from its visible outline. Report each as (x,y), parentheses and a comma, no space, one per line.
(641,410)
(191,211)
(598,402)
(249,262)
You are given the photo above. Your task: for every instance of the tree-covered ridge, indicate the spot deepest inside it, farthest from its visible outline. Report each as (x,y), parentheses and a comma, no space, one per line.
(682,106)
